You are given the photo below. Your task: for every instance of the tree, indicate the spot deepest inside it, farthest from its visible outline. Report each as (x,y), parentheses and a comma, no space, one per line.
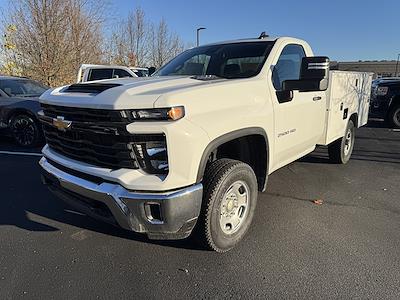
(53,37)
(130,40)
(8,55)
(48,40)
(164,44)
(137,42)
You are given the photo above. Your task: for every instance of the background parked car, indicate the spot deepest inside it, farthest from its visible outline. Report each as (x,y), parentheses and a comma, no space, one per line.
(19,107)
(385,100)
(141,72)
(99,72)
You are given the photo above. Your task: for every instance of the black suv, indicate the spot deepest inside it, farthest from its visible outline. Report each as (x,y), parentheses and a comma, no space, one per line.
(385,100)
(19,107)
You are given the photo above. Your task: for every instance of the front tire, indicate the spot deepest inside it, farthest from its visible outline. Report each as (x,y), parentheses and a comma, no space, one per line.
(229,201)
(340,150)
(25,130)
(394,116)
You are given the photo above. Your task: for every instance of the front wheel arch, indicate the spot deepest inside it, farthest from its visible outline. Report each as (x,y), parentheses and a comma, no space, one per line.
(20,111)
(261,172)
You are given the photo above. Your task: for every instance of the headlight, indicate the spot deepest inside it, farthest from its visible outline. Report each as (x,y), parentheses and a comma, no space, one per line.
(382,90)
(158,114)
(151,153)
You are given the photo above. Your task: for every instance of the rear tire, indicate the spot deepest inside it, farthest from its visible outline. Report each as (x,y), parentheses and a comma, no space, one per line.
(229,201)
(394,116)
(26,131)
(340,150)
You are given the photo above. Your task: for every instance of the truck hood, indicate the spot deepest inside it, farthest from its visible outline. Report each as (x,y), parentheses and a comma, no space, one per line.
(127,94)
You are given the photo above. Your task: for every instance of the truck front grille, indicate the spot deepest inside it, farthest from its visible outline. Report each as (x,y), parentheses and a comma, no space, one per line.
(96,137)
(77,114)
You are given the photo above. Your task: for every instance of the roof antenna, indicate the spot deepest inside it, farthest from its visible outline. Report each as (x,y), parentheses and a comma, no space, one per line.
(263,35)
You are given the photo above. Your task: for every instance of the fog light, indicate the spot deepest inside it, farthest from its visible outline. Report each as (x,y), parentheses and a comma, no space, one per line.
(151,154)
(153,212)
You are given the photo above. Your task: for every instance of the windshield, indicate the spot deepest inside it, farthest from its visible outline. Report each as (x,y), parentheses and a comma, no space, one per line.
(22,88)
(235,60)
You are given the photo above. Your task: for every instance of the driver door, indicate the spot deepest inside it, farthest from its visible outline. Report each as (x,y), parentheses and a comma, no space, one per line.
(299,122)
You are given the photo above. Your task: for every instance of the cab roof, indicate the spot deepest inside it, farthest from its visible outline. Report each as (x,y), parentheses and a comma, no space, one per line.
(248,40)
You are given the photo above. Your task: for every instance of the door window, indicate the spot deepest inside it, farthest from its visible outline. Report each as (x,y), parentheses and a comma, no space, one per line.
(98,74)
(288,65)
(119,73)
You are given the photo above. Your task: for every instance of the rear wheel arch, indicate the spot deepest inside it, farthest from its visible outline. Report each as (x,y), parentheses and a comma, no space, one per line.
(393,101)
(354,118)
(251,146)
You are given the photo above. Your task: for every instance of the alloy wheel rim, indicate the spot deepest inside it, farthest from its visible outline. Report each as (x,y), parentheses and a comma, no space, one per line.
(24,131)
(396,117)
(234,207)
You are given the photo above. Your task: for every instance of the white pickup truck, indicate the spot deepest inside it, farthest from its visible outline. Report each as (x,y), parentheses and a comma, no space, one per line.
(189,149)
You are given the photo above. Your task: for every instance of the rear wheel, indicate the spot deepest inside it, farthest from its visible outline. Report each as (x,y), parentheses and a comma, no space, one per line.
(229,201)
(394,116)
(340,150)
(25,130)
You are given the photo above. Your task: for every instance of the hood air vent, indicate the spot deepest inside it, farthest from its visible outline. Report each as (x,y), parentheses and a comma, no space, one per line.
(90,88)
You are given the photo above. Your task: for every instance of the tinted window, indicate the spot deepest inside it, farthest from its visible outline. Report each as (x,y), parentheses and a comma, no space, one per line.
(118,73)
(196,65)
(98,74)
(22,87)
(141,73)
(235,60)
(288,65)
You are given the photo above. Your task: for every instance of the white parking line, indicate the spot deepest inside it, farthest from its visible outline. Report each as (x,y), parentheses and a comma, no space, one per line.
(74,212)
(21,153)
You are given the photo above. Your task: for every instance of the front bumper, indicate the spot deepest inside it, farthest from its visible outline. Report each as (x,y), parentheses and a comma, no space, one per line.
(168,215)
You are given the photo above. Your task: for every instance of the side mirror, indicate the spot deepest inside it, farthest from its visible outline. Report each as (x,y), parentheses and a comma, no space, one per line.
(151,70)
(314,75)
(284,96)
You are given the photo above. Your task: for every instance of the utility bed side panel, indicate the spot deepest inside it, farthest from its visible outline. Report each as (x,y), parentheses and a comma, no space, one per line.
(364,99)
(348,93)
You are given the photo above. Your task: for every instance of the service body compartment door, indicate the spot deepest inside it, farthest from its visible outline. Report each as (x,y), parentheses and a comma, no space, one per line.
(348,93)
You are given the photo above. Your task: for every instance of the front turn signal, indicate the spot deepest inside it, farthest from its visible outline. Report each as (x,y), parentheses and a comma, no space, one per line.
(176,113)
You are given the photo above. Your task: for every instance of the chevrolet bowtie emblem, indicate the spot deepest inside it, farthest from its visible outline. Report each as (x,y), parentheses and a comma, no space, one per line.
(61,124)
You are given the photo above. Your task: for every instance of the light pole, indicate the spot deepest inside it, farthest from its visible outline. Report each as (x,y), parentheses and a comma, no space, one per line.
(197,34)
(397,64)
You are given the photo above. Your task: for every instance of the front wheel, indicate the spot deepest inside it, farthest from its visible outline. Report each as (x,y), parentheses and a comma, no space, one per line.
(229,201)
(340,150)
(25,130)
(394,116)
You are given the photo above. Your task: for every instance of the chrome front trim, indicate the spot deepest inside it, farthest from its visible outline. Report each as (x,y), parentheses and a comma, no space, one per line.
(127,207)
(114,190)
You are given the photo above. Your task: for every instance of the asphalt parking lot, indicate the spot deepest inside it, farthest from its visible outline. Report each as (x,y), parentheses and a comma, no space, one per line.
(348,247)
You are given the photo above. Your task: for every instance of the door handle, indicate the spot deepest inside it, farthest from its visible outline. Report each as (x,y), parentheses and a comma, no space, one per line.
(317,98)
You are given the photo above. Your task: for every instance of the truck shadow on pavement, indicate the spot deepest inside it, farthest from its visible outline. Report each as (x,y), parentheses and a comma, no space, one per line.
(374,143)
(43,212)
(319,157)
